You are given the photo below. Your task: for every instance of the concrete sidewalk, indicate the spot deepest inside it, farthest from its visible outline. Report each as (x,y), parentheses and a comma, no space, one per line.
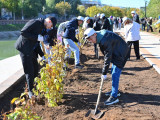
(10,71)
(149,48)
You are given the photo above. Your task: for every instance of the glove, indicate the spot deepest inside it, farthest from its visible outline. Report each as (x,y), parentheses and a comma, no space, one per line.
(79,44)
(40,38)
(77,31)
(104,77)
(44,59)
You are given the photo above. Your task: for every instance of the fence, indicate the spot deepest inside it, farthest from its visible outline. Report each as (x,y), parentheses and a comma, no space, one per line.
(4,22)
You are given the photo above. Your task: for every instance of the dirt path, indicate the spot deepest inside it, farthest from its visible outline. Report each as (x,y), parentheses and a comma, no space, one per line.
(139,87)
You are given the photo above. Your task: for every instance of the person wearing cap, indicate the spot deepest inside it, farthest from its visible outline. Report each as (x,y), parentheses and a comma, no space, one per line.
(149,24)
(27,42)
(69,37)
(111,22)
(88,23)
(97,26)
(105,22)
(115,50)
(135,16)
(132,35)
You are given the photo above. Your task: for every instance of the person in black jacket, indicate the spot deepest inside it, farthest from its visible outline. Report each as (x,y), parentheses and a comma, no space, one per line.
(69,37)
(135,17)
(105,22)
(27,43)
(115,51)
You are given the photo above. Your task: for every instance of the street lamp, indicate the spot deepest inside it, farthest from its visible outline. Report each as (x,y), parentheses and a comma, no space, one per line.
(145,8)
(64,11)
(22,9)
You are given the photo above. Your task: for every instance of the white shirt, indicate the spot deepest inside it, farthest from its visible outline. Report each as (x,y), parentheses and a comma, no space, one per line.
(132,31)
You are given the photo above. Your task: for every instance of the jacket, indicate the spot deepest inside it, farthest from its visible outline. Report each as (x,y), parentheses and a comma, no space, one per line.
(97,25)
(70,30)
(132,31)
(105,24)
(136,18)
(50,36)
(29,35)
(113,47)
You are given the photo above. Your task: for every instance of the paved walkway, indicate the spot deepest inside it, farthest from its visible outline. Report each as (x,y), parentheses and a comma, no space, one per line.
(10,71)
(149,48)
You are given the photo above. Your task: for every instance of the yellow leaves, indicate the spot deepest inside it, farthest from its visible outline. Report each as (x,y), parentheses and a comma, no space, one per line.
(63,7)
(14,99)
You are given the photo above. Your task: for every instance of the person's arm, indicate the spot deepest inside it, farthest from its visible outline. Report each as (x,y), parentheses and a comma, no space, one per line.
(27,30)
(107,59)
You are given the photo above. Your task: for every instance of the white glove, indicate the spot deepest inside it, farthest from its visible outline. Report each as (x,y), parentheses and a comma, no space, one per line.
(79,44)
(104,77)
(77,31)
(43,58)
(40,38)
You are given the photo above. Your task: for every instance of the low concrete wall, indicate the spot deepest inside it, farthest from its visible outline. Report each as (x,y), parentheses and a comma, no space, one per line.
(9,34)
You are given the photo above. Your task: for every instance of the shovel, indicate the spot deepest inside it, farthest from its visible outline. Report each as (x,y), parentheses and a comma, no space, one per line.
(96,114)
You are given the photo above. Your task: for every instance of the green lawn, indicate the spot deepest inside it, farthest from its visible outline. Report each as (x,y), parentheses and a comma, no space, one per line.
(7,49)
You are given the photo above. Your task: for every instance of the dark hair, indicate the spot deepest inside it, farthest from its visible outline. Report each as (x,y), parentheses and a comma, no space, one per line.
(54,20)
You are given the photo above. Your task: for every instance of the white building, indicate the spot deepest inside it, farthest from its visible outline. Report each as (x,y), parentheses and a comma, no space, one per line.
(91,2)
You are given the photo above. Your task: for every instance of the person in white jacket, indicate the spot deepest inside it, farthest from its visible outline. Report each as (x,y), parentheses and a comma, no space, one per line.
(132,35)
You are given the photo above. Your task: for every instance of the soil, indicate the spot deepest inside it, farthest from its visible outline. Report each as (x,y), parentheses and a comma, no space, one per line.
(139,88)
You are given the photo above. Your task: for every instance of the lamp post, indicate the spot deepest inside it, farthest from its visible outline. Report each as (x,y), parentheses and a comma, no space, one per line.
(22,9)
(145,8)
(64,11)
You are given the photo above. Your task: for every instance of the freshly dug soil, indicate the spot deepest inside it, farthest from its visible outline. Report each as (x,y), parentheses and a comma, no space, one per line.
(139,88)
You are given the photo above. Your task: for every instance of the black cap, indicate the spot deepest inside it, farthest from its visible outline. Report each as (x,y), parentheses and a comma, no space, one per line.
(54,20)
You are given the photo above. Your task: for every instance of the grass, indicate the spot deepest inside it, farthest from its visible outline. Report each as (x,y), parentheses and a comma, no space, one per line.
(7,49)
(11,27)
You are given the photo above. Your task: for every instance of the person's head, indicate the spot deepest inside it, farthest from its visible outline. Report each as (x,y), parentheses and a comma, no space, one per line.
(133,13)
(111,17)
(91,35)
(127,21)
(80,20)
(102,16)
(87,19)
(98,15)
(50,22)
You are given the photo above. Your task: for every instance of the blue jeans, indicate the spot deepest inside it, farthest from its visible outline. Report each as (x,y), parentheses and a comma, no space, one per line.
(72,47)
(116,72)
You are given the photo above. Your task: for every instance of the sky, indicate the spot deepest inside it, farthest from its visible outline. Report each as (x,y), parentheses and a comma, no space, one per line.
(125,3)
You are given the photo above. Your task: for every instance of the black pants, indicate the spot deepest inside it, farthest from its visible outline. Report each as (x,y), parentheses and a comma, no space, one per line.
(143,27)
(95,48)
(136,48)
(30,66)
(149,27)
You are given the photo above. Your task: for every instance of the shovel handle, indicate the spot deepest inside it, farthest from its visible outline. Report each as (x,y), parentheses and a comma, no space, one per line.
(99,95)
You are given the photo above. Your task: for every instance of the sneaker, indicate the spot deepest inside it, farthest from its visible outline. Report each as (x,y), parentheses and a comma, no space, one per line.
(78,66)
(109,94)
(111,100)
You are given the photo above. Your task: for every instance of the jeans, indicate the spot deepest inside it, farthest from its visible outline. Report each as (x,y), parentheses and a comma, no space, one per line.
(116,72)
(72,47)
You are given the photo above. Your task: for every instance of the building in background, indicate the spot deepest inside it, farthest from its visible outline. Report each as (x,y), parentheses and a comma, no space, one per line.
(88,3)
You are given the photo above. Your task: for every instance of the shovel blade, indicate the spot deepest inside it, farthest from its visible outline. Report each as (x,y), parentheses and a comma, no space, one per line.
(92,114)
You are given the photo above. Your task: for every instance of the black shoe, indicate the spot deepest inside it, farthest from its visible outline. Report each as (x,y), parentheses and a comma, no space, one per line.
(109,94)
(138,58)
(78,66)
(111,100)
(66,69)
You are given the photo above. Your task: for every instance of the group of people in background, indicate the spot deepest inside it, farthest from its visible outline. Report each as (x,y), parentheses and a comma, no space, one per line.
(98,30)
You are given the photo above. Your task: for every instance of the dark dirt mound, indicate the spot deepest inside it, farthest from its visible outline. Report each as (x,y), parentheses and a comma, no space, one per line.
(139,88)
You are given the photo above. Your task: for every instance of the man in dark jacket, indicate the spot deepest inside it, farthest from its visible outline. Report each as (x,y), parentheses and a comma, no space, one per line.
(115,50)
(135,17)
(105,22)
(70,37)
(26,44)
